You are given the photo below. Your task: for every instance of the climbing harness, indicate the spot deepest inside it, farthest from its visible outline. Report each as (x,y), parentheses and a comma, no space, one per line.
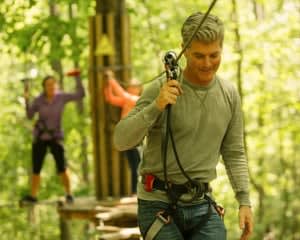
(42,128)
(163,217)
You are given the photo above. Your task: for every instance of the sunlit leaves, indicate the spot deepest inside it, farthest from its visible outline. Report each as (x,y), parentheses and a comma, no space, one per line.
(270,42)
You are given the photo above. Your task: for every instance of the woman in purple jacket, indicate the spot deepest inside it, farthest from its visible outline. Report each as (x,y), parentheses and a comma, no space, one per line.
(48,133)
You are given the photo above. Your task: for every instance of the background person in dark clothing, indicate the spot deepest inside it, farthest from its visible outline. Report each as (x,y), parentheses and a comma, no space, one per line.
(48,133)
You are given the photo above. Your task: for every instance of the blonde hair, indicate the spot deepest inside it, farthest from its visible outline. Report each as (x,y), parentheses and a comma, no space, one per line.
(211,30)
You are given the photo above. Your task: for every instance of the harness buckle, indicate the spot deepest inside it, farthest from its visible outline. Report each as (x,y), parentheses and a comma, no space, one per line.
(165,219)
(195,191)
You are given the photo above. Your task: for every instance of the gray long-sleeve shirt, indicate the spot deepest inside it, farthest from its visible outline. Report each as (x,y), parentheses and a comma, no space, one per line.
(206,123)
(50,113)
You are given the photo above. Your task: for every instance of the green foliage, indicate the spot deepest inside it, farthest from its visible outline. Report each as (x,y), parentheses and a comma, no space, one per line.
(32,38)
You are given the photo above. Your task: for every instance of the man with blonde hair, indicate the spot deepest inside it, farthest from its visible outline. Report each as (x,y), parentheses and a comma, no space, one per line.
(207,122)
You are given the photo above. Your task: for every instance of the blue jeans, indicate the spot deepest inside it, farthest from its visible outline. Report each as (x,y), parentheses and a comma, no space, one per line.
(185,224)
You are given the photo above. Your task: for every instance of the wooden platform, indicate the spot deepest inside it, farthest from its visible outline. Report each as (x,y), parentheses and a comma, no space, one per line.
(114,218)
(116,233)
(88,208)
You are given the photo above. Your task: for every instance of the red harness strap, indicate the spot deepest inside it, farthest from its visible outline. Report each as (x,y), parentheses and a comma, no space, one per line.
(148,181)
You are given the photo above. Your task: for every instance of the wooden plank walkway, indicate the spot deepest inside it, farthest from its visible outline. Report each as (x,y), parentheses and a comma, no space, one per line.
(88,208)
(114,218)
(116,233)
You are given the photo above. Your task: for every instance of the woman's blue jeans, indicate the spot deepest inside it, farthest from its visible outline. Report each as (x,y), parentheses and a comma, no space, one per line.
(185,224)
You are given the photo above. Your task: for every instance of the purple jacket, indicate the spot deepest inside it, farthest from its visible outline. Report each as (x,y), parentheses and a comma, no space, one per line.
(48,125)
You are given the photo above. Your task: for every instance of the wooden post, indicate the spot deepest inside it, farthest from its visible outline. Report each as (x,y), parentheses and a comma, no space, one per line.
(103,161)
(65,233)
(94,109)
(126,75)
(109,49)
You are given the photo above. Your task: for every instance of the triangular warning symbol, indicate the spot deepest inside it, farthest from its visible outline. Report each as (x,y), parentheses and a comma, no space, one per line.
(104,47)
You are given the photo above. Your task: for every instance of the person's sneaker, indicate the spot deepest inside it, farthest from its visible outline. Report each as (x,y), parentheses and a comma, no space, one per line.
(69,198)
(29,198)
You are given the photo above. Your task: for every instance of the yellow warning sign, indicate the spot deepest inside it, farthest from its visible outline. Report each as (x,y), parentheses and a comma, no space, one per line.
(104,47)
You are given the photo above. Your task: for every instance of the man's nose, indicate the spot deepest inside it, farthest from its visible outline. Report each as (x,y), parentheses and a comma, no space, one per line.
(207,62)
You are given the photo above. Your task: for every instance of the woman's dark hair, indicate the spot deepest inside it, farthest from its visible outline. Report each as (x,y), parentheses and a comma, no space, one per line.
(47,78)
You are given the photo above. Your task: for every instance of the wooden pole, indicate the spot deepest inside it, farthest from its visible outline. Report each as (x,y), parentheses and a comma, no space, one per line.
(94,109)
(126,75)
(114,155)
(103,163)
(109,49)
(65,233)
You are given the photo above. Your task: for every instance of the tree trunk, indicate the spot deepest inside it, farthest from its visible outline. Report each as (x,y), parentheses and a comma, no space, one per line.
(56,63)
(65,233)
(238,48)
(80,108)
(258,9)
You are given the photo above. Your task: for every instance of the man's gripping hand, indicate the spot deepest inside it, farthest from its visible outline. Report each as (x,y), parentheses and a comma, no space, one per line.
(168,94)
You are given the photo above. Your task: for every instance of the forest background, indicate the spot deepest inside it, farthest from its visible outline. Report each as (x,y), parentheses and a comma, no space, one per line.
(261,57)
